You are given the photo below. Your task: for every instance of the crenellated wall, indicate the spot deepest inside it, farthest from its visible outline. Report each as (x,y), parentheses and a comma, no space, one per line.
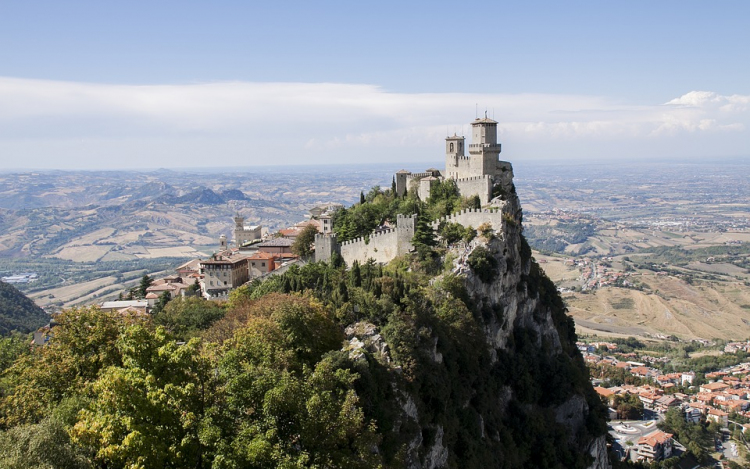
(382,246)
(325,246)
(475,218)
(478,185)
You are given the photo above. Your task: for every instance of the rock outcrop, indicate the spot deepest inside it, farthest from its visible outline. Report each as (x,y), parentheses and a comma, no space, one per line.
(528,402)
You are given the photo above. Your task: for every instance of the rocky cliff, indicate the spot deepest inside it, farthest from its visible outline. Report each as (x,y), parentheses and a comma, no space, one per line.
(502,386)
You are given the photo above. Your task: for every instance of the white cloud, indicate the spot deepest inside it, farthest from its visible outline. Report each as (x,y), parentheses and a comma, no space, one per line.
(44,123)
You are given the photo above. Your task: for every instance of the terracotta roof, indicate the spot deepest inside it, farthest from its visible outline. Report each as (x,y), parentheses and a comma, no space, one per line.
(162,287)
(220,260)
(603,391)
(656,438)
(263,256)
(715,386)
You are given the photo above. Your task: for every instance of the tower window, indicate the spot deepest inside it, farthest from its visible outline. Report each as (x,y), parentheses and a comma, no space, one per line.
(451,147)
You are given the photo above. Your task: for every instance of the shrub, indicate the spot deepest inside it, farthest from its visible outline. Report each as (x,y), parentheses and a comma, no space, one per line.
(483,263)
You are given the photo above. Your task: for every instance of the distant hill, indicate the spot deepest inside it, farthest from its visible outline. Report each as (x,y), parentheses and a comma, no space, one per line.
(17,312)
(200,196)
(233,194)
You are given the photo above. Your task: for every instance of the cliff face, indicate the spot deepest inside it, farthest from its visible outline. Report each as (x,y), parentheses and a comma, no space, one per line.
(514,394)
(528,301)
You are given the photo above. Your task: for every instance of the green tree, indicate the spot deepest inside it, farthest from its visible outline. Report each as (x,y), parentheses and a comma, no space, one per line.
(483,263)
(187,317)
(83,344)
(424,235)
(355,275)
(11,348)
(303,245)
(146,282)
(164,298)
(42,445)
(151,411)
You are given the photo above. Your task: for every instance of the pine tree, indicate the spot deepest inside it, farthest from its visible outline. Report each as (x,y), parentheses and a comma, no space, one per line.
(424,235)
(146,282)
(356,275)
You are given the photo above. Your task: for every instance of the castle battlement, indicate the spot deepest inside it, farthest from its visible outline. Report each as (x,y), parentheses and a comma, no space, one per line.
(370,237)
(476,174)
(473,178)
(474,217)
(419,175)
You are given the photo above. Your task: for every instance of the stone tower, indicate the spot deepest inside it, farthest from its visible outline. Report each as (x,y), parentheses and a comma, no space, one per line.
(239,230)
(484,150)
(454,155)
(223,243)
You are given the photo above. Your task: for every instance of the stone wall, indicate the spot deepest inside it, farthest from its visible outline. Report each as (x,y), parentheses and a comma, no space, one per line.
(475,218)
(479,185)
(325,246)
(382,246)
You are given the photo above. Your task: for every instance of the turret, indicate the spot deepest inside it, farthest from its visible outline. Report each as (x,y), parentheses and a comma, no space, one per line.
(454,149)
(484,149)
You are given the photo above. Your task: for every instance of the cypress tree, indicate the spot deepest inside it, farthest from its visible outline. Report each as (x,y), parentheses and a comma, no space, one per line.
(356,275)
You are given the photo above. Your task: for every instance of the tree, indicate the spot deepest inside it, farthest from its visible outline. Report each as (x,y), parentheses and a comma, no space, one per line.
(151,411)
(146,282)
(83,345)
(42,445)
(303,245)
(424,235)
(164,298)
(195,288)
(355,275)
(483,263)
(187,317)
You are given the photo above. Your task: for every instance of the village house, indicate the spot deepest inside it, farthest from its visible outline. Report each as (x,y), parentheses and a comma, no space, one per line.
(719,416)
(713,387)
(276,246)
(655,446)
(222,273)
(261,263)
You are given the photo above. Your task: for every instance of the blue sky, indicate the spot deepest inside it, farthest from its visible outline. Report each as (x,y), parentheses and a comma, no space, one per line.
(159,84)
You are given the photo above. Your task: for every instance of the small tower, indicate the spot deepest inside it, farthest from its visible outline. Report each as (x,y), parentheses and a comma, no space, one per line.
(239,230)
(484,149)
(223,243)
(454,150)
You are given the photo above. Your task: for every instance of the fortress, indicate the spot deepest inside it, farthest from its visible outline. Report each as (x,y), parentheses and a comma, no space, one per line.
(480,174)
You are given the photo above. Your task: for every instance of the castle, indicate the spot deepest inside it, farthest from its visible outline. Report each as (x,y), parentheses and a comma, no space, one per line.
(480,174)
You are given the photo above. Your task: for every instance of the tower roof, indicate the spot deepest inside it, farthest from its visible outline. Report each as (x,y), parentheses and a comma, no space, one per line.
(486,120)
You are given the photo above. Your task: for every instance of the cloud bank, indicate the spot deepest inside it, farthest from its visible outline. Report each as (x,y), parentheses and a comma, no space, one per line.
(49,124)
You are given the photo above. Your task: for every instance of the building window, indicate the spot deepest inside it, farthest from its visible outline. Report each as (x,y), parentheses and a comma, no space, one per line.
(262,264)
(451,147)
